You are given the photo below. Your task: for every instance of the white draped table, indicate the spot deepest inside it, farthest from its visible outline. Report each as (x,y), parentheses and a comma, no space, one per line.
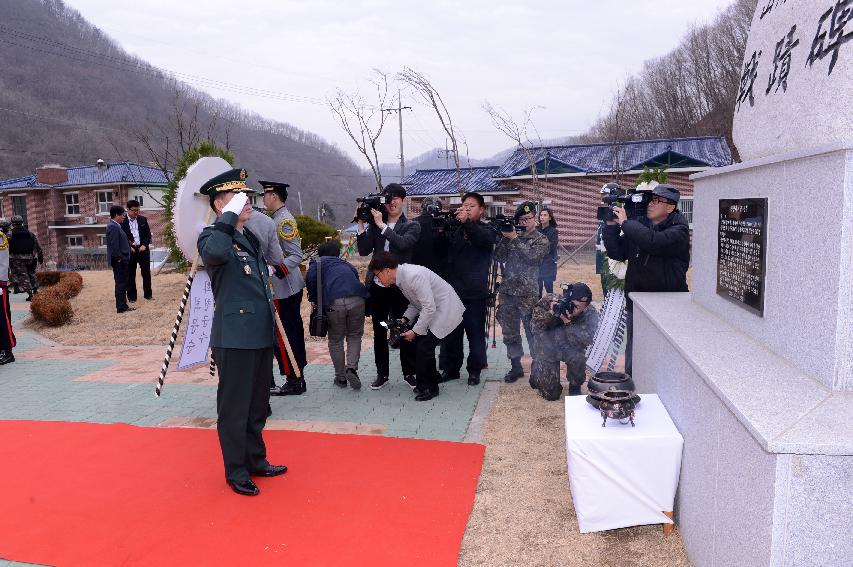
(621,475)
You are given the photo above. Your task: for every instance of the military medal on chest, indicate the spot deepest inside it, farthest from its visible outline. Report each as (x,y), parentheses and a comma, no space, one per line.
(247,269)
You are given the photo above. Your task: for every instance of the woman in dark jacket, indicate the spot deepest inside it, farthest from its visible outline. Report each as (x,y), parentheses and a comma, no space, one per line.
(548,267)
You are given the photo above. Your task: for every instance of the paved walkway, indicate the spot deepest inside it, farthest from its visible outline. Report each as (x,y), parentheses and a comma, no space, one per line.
(115,384)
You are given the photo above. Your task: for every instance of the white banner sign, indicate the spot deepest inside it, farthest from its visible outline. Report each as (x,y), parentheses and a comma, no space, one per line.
(199,323)
(610,333)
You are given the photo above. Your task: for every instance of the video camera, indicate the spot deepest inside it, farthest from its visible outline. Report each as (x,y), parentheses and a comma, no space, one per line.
(374,201)
(565,305)
(633,201)
(396,327)
(504,224)
(442,221)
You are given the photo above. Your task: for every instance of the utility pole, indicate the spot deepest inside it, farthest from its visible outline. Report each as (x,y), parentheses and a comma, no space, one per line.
(399,110)
(446,153)
(299,194)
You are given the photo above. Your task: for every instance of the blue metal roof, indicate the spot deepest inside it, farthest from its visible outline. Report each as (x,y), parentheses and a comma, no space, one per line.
(443,181)
(125,172)
(711,151)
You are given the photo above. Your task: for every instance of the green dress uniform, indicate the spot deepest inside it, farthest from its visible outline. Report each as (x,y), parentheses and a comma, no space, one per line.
(7,336)
(241,339)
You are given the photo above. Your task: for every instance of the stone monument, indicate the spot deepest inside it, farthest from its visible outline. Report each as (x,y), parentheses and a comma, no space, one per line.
(755,365)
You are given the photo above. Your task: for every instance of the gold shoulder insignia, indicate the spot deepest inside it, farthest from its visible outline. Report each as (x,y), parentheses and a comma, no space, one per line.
(4,241)
(287,229)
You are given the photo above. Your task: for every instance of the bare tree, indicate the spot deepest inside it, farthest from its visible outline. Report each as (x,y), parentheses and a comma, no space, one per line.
(506,124)
(363,122)
(430,95)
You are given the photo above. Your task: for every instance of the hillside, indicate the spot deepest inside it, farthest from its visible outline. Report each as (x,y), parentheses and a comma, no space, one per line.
(70,95)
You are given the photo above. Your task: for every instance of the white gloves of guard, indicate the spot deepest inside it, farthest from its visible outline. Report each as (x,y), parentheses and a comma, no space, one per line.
(236,204)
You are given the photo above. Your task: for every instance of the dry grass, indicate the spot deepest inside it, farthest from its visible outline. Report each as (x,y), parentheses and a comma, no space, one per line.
(523,512)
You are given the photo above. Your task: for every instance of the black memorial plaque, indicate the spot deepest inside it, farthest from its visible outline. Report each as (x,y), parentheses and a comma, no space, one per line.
(741,247)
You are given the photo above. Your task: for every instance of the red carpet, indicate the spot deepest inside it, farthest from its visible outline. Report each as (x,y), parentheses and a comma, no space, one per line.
(86,495)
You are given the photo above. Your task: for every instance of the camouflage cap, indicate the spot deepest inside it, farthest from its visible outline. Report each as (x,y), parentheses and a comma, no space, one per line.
(526,208)
(4,222)
(17,219)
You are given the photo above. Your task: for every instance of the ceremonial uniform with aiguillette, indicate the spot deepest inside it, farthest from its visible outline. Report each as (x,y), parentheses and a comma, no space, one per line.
(241,338)
(7,337)
(519,290)
(288,295)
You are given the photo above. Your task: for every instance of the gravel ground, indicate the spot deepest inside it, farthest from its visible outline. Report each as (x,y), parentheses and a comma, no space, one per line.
(523,512)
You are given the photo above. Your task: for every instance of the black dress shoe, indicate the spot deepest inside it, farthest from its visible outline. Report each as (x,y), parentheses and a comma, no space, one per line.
(426,395)
(271,470)
(126,309)
(6,357)
(244,487)
(473,379)
(448,376)
(292,388)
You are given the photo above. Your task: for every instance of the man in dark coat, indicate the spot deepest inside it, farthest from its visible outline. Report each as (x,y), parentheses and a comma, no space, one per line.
(242,335)
(138,233)
(118,256)
(657,249)
(24,252)
(389,231)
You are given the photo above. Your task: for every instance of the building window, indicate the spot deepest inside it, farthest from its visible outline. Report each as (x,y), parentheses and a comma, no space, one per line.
(74,240)
(141,200)
(19,206)
(686,208)
(102,240)
(495,210)
(105,201)
(72,204)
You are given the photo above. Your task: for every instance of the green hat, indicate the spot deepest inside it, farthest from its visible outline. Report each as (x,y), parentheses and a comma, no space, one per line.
(230,181)
(525,208)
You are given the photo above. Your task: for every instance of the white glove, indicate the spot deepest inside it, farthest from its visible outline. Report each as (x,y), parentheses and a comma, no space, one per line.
(271,270)
(236,204)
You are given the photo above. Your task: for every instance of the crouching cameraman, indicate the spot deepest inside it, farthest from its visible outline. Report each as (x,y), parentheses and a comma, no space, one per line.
(564,327)
(656,247)
(435,305)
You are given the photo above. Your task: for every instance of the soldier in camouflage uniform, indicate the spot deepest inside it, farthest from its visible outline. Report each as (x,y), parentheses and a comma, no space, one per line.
(7,336)
(24,250)
(521,255)
(562,337)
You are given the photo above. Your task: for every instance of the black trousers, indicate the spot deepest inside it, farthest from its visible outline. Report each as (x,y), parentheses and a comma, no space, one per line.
(7,336)
(629,336)
(385,301)
(143,260)
(289,311)
(474,327)
(426,374)
(120,276)
(242,407)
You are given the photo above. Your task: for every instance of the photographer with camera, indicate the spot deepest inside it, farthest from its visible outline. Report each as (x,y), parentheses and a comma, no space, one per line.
(520,249)
(430,250)
(470,249)
(434,312)
(564,326)
(387,231)
(656,246)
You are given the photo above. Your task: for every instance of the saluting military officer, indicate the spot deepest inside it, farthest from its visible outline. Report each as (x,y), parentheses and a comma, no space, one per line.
(7,337)
(242,334)
(287,289)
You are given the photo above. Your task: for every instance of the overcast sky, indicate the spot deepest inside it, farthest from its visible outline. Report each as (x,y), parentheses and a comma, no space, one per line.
(567,56)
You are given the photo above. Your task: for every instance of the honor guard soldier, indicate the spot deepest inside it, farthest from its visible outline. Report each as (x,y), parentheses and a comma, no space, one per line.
(242,335)
(521,251)
(7,337)
(287,289)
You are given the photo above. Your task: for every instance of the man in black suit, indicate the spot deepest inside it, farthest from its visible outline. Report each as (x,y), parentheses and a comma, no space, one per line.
(138,233)
(118,256)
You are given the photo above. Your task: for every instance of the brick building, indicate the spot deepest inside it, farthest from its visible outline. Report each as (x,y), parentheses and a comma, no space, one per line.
(68,208)
(571,176)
